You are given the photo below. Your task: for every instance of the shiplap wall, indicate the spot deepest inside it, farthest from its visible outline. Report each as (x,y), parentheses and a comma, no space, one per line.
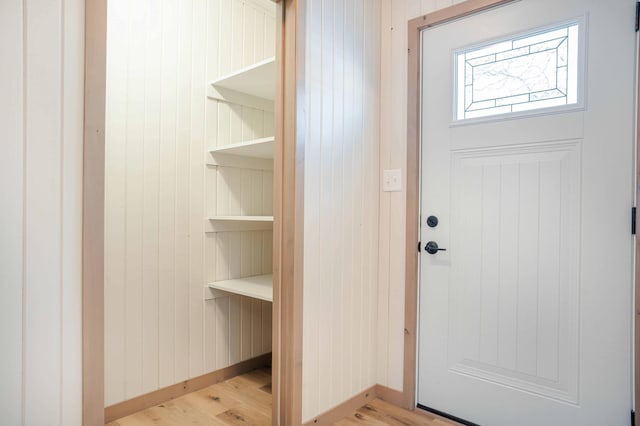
(393,154)
(341,201)
(41,133)
(159,330)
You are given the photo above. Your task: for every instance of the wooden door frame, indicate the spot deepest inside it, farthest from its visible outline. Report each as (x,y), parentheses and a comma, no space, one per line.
(288,227)
(636,308)
(288,212)
(416,26)
(95,52)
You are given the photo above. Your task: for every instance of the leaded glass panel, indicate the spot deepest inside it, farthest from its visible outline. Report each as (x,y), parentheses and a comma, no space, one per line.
(534,71)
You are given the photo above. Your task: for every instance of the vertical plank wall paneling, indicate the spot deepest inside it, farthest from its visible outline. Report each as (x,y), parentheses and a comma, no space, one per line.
(393,153)
(43,258)
(159,330)
(195,174)
(41,49)
(12,164)
(341,202)
(151,196)
(72,173)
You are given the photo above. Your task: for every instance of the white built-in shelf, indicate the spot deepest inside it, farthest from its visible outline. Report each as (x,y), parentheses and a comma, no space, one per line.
(258,148)
(242,218)
(238,223)
(258,287)
(257,80)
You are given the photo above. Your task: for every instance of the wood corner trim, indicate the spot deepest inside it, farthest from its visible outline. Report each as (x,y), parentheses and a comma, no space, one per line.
(288,227)
(95,43)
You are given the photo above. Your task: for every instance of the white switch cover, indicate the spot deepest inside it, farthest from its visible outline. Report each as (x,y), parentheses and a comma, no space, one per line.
(392,180)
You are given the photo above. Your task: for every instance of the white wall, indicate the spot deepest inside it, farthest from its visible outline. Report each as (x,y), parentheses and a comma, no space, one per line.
(159,330)
(341,201)
(393,154)
(337,218)
(41,131)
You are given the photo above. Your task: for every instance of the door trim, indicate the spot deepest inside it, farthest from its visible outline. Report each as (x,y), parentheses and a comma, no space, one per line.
(288,226)
(93,213)
(636,320)
(288,197)
(415,28)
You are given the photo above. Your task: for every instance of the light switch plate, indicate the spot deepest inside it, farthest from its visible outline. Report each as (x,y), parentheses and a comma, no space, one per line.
(392,180)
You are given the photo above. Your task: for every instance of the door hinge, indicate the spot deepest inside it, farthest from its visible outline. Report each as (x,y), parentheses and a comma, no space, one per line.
(633,418)
(419,249)
(633,221)
(637,16)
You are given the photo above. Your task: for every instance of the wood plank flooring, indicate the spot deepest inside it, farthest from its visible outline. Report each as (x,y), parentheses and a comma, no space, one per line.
(246,400)
(379,412)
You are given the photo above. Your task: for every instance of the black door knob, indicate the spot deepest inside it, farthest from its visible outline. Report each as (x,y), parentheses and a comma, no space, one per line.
(432,247)
(432,221)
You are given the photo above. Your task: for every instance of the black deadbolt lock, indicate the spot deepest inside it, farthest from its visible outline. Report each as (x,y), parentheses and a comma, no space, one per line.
(432,221)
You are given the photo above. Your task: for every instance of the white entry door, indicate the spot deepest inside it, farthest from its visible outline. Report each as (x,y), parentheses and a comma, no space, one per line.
(527,164)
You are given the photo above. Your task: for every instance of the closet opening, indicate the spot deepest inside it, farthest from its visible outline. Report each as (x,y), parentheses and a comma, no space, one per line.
(179,238)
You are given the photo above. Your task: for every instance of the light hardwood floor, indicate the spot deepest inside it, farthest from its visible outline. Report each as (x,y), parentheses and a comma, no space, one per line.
(379,412)
(246,400)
